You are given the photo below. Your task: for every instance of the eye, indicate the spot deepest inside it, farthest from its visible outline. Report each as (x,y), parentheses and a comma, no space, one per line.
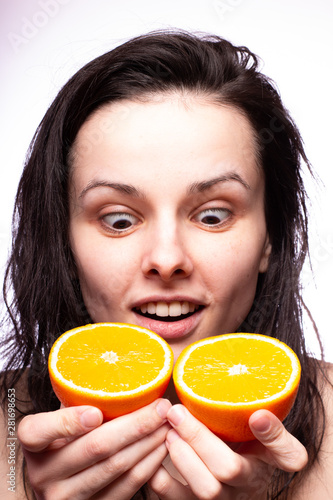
(119,221)
(212,216)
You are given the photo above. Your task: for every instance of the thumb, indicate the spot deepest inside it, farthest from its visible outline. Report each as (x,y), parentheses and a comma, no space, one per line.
(37,432)
(281,448)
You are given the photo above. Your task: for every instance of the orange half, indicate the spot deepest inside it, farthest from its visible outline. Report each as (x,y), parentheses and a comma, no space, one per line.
(223,380)
(116,367)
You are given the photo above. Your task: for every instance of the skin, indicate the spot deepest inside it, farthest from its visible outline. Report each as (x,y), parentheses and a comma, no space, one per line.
(171,250)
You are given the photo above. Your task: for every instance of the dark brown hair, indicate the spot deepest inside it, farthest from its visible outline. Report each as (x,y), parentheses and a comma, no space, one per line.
(40,277)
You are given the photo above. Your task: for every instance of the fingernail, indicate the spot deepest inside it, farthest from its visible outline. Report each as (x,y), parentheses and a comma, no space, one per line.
(91,417)
(261,424)
(176,415)
(172,436)
(162,408)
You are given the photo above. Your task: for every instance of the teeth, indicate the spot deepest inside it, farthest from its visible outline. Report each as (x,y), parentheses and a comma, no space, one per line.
(144,308)
(151,308)
(175,309)
(185,308)
(164,309)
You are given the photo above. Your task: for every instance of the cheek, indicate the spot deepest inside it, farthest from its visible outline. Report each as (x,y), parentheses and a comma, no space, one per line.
(232,270)
(104,271)
(233,291)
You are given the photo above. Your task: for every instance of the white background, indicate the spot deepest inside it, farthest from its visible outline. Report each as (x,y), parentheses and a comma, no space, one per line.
(43,42)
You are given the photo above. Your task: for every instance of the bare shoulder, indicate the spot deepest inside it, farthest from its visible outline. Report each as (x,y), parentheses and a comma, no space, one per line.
(318,483)
(10,453)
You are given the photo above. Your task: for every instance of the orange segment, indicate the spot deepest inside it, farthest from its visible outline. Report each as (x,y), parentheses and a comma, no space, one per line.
(222,380)
(115,366)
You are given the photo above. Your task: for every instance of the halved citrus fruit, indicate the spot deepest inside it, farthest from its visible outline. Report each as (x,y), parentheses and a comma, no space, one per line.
(116,367)
(222,380)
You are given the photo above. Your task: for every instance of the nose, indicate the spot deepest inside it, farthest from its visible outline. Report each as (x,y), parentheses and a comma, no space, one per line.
(166,256)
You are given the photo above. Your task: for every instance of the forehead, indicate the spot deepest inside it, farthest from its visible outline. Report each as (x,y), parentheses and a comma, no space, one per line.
(165,136)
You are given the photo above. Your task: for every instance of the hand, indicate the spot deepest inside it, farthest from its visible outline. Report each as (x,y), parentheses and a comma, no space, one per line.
(70,453)
(212,470)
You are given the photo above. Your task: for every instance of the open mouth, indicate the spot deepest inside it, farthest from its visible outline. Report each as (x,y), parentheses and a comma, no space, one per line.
(168,311)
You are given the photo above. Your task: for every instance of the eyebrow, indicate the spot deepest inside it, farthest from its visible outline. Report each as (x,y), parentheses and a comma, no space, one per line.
(199,187)
(123,188)
(195,187)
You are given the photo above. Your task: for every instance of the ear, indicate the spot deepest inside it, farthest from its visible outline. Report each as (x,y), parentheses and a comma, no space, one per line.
(267,249)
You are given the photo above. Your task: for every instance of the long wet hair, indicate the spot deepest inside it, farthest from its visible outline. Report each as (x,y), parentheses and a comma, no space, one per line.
(41,288)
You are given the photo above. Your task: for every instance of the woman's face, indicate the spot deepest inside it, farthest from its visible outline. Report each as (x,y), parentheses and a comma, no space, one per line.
(167,222)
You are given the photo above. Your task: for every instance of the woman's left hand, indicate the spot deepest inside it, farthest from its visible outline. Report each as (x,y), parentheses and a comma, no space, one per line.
(213,470)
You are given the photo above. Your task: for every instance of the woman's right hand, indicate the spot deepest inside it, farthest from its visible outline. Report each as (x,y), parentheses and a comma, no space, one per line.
(70,453)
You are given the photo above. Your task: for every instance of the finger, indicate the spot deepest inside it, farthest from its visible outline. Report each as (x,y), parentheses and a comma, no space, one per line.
(167,487)
(224,465)
(281,449)
(114,435)
(97,477)
(128,484)
(193,469)
(99,444)
(37,432)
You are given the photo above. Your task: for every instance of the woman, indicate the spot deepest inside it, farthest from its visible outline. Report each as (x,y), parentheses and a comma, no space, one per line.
(163,188)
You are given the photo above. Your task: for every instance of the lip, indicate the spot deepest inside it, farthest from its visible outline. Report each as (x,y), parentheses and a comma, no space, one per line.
(173,329)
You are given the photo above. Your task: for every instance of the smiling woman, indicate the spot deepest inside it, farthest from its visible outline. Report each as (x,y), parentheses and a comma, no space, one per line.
(164,198)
